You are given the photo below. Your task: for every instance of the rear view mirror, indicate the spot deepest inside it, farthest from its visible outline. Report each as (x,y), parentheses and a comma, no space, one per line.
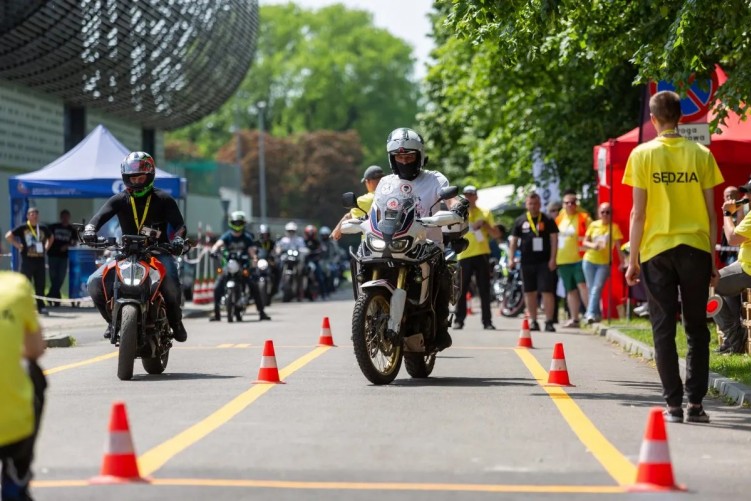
(449,192)
(349,201)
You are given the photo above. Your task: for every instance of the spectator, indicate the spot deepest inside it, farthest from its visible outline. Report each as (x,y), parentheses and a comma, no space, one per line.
(474,260)
(734,277)
(64,237)
(727,256)
(371,177)
(32,240)
(536,235)
(499,245)
(21,394)
(672,235)
(553,209)
(572,224)
(597,258)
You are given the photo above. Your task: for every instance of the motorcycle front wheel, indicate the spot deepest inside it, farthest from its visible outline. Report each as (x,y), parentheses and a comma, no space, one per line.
(379,358)
(128,341)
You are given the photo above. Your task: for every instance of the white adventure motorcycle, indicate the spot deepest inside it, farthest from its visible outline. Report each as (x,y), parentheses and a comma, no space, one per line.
(396,279)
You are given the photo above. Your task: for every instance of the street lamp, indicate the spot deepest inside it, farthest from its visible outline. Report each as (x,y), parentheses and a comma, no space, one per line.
(261,106)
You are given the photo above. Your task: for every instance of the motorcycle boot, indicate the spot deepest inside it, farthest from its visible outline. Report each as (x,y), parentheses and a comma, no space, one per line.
(179,333)
(102,308)
(263,316)
(217,315)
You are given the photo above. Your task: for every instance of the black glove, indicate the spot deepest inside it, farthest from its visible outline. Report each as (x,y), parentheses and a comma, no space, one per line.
(177,244)
(214,254)
(89,235)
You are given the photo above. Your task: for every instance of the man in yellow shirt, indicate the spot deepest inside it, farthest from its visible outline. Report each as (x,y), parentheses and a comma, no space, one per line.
(572,226)
(672,237)
(21,396)
(371,177)
(597,259)
(475,259)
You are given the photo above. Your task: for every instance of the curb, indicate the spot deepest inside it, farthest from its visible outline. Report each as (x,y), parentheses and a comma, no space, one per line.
(735,391)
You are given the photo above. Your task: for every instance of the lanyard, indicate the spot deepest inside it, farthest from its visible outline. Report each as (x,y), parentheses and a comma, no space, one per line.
(532,224)
(135,213)
(31,228)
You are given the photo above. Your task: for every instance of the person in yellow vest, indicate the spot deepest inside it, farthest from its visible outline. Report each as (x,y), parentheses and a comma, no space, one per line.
(371,177)
(475,259)
(21,393)
(572,226)
(597,259)
(672,237)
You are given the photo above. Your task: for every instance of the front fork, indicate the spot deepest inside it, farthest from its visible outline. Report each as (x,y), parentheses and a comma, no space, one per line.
(398,300)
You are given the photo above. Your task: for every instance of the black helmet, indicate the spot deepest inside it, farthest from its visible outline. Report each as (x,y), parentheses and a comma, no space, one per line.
(405,140)
(137,164)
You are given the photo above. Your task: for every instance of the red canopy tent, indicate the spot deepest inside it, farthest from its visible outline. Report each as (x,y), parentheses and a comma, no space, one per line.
(731,147)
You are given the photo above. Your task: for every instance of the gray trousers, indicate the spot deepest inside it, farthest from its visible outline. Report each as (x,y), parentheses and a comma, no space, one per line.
(732,282)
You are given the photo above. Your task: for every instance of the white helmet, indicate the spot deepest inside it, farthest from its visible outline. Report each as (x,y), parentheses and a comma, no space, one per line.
(237,220)
(405,140)
(291,226)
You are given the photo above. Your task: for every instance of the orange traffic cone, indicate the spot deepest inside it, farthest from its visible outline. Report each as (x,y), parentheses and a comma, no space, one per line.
(119,464)
(468,297)
(655,473)
(525,339)
(558,374)
(325,338)
(268,373)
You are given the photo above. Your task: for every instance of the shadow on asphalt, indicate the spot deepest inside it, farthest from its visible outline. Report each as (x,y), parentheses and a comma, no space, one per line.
(179,376)
(470,382)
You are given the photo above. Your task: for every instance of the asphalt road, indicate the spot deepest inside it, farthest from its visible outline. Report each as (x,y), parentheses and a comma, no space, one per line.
(482,427)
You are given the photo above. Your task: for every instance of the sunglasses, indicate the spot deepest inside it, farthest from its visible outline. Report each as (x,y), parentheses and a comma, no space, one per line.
(569,203)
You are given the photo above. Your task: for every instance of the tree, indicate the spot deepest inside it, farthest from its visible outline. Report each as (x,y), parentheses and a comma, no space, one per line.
(327,69)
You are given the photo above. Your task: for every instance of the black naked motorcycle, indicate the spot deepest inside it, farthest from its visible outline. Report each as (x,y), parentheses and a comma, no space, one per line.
(133,279)
(396,273)
(236,268)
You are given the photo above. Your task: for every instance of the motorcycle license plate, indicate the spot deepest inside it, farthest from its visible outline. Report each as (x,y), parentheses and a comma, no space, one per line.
(231,283)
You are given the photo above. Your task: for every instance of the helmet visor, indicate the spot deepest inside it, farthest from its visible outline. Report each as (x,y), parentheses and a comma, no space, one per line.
(237,222)
(137,167)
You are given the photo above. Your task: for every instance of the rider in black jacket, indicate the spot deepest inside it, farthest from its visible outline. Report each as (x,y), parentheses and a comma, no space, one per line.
(137,207)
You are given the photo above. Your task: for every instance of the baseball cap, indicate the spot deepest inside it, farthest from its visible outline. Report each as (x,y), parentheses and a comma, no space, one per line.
(372,172)
(469,189)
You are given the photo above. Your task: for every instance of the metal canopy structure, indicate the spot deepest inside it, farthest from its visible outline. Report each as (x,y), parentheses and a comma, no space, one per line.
(162,64)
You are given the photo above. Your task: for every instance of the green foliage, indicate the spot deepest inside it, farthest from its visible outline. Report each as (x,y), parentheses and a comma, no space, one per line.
(558,75)
(326,69)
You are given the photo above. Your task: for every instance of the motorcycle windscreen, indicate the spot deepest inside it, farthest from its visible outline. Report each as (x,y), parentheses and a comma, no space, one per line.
(392,214)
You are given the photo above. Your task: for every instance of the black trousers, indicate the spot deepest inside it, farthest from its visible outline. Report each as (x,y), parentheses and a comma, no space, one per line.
(480,267)
(17,456)
(35,271)
(686,270)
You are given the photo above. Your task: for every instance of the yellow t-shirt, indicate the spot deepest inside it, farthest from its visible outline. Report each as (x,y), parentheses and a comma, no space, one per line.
(479,240)
(571,231)
(744,255)
(674,172)
(364,201)
(17,316)
(599,232)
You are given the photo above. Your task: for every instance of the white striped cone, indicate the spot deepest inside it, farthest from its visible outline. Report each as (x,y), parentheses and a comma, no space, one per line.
(268,373)
(558,374)
(655,471)
(119,464)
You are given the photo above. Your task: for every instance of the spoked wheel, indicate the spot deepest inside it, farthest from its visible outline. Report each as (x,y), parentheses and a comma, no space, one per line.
(513,301)
(378,357)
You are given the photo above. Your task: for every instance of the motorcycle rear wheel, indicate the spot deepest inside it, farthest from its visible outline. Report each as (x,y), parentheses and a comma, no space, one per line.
(419,365)
(513,301)
(379,359)
(128,341)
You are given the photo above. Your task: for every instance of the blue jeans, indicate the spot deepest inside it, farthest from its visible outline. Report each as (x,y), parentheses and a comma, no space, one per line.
(596,275)
(170,291)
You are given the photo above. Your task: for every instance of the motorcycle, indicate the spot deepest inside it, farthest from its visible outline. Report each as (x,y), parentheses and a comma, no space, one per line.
(236,295)
(507,288)
(395,284)
(293,271)
(138,311)
(262,276)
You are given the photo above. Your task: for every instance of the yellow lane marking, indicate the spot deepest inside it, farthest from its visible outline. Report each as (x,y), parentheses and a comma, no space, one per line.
(360,486)
(80,364)
(155,458)
(242,345)
(616,464)
(225,346)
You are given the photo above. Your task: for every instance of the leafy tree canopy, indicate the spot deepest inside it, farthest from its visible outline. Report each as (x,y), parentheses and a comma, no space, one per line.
(319,69)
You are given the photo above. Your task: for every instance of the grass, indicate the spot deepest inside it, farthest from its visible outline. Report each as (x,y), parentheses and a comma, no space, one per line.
(737,367)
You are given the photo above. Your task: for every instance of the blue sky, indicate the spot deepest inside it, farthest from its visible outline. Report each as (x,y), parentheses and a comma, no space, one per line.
(407,19)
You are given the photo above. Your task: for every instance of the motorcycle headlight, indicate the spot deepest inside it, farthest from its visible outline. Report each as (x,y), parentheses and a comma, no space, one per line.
(233,266)
(401,244)
(131,274)
(263,265)
(375,243)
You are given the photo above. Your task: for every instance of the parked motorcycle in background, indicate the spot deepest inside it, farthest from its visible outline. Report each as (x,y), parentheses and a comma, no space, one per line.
(506,286)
